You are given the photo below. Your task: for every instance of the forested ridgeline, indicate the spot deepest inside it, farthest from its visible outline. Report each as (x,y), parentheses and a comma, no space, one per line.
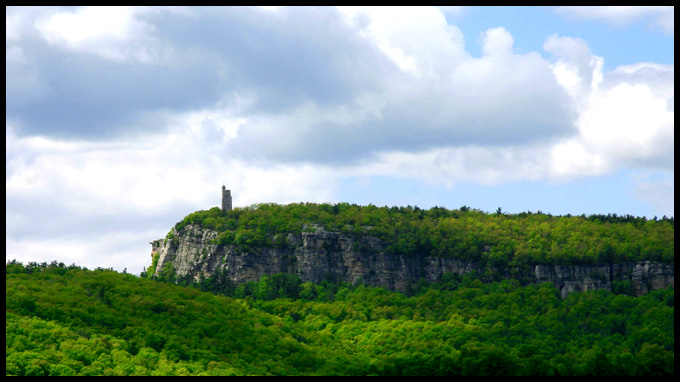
(497,239)
(67,320)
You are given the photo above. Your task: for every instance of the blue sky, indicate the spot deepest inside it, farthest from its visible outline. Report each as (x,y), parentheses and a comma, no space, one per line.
(582,196)
(121,121)
(619,44)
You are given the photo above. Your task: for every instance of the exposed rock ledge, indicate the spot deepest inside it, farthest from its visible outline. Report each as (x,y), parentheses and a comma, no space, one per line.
(315,256)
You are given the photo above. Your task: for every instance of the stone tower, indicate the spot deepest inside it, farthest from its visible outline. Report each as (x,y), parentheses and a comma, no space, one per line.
(226,199)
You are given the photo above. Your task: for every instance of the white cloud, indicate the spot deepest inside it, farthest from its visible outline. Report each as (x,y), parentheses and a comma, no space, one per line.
(22,76)
(452,11)
(100,204)
(626,116)
(439,96)
(657,189)
(151,172)
(20,21)
(13,26)
(477,111)
(577,69)
(451,166)
(625,119)
(572,159)
(417,39)
(658,16)
(377,79)
(627,123)
(116,33)
(659,79)
(497,42)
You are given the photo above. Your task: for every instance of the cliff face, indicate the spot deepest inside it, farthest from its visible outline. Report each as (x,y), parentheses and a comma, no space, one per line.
(644,276)
(316,256)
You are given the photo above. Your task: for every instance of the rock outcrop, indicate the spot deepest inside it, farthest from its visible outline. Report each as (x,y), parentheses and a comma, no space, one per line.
(318,255)
(643,276)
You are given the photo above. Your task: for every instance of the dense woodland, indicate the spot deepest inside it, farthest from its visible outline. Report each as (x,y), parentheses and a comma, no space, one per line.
(498,238)
(67,320)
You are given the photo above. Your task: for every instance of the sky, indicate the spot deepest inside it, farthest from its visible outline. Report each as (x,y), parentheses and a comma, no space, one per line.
(120,121)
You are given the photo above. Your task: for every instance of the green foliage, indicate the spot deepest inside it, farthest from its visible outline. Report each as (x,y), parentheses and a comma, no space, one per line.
(154,263)
(498,239)
(71,321)
(182,329)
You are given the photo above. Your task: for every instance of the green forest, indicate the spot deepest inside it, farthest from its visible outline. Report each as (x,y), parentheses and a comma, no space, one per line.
(497,238)
(68,320)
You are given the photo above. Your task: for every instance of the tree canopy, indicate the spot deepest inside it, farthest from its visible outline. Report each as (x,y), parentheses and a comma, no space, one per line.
(66,320)
(497,238)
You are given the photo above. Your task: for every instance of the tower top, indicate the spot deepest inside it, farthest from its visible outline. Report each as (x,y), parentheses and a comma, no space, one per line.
(226,199)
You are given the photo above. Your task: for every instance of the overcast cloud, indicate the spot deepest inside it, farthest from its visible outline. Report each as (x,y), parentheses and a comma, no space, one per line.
(121,121)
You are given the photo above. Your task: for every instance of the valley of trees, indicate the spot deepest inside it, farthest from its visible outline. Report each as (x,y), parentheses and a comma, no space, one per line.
(67,320)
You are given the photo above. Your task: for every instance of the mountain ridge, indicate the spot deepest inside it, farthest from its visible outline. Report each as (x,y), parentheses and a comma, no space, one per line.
(315,254)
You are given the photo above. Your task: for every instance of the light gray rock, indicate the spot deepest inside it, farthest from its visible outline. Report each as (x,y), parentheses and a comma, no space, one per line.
(316,255)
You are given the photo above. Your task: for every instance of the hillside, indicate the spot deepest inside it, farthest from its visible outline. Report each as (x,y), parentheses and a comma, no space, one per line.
(70,321)
(319,289)
(396,247)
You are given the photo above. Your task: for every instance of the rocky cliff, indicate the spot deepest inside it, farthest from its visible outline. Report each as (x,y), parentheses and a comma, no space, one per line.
(316,255)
